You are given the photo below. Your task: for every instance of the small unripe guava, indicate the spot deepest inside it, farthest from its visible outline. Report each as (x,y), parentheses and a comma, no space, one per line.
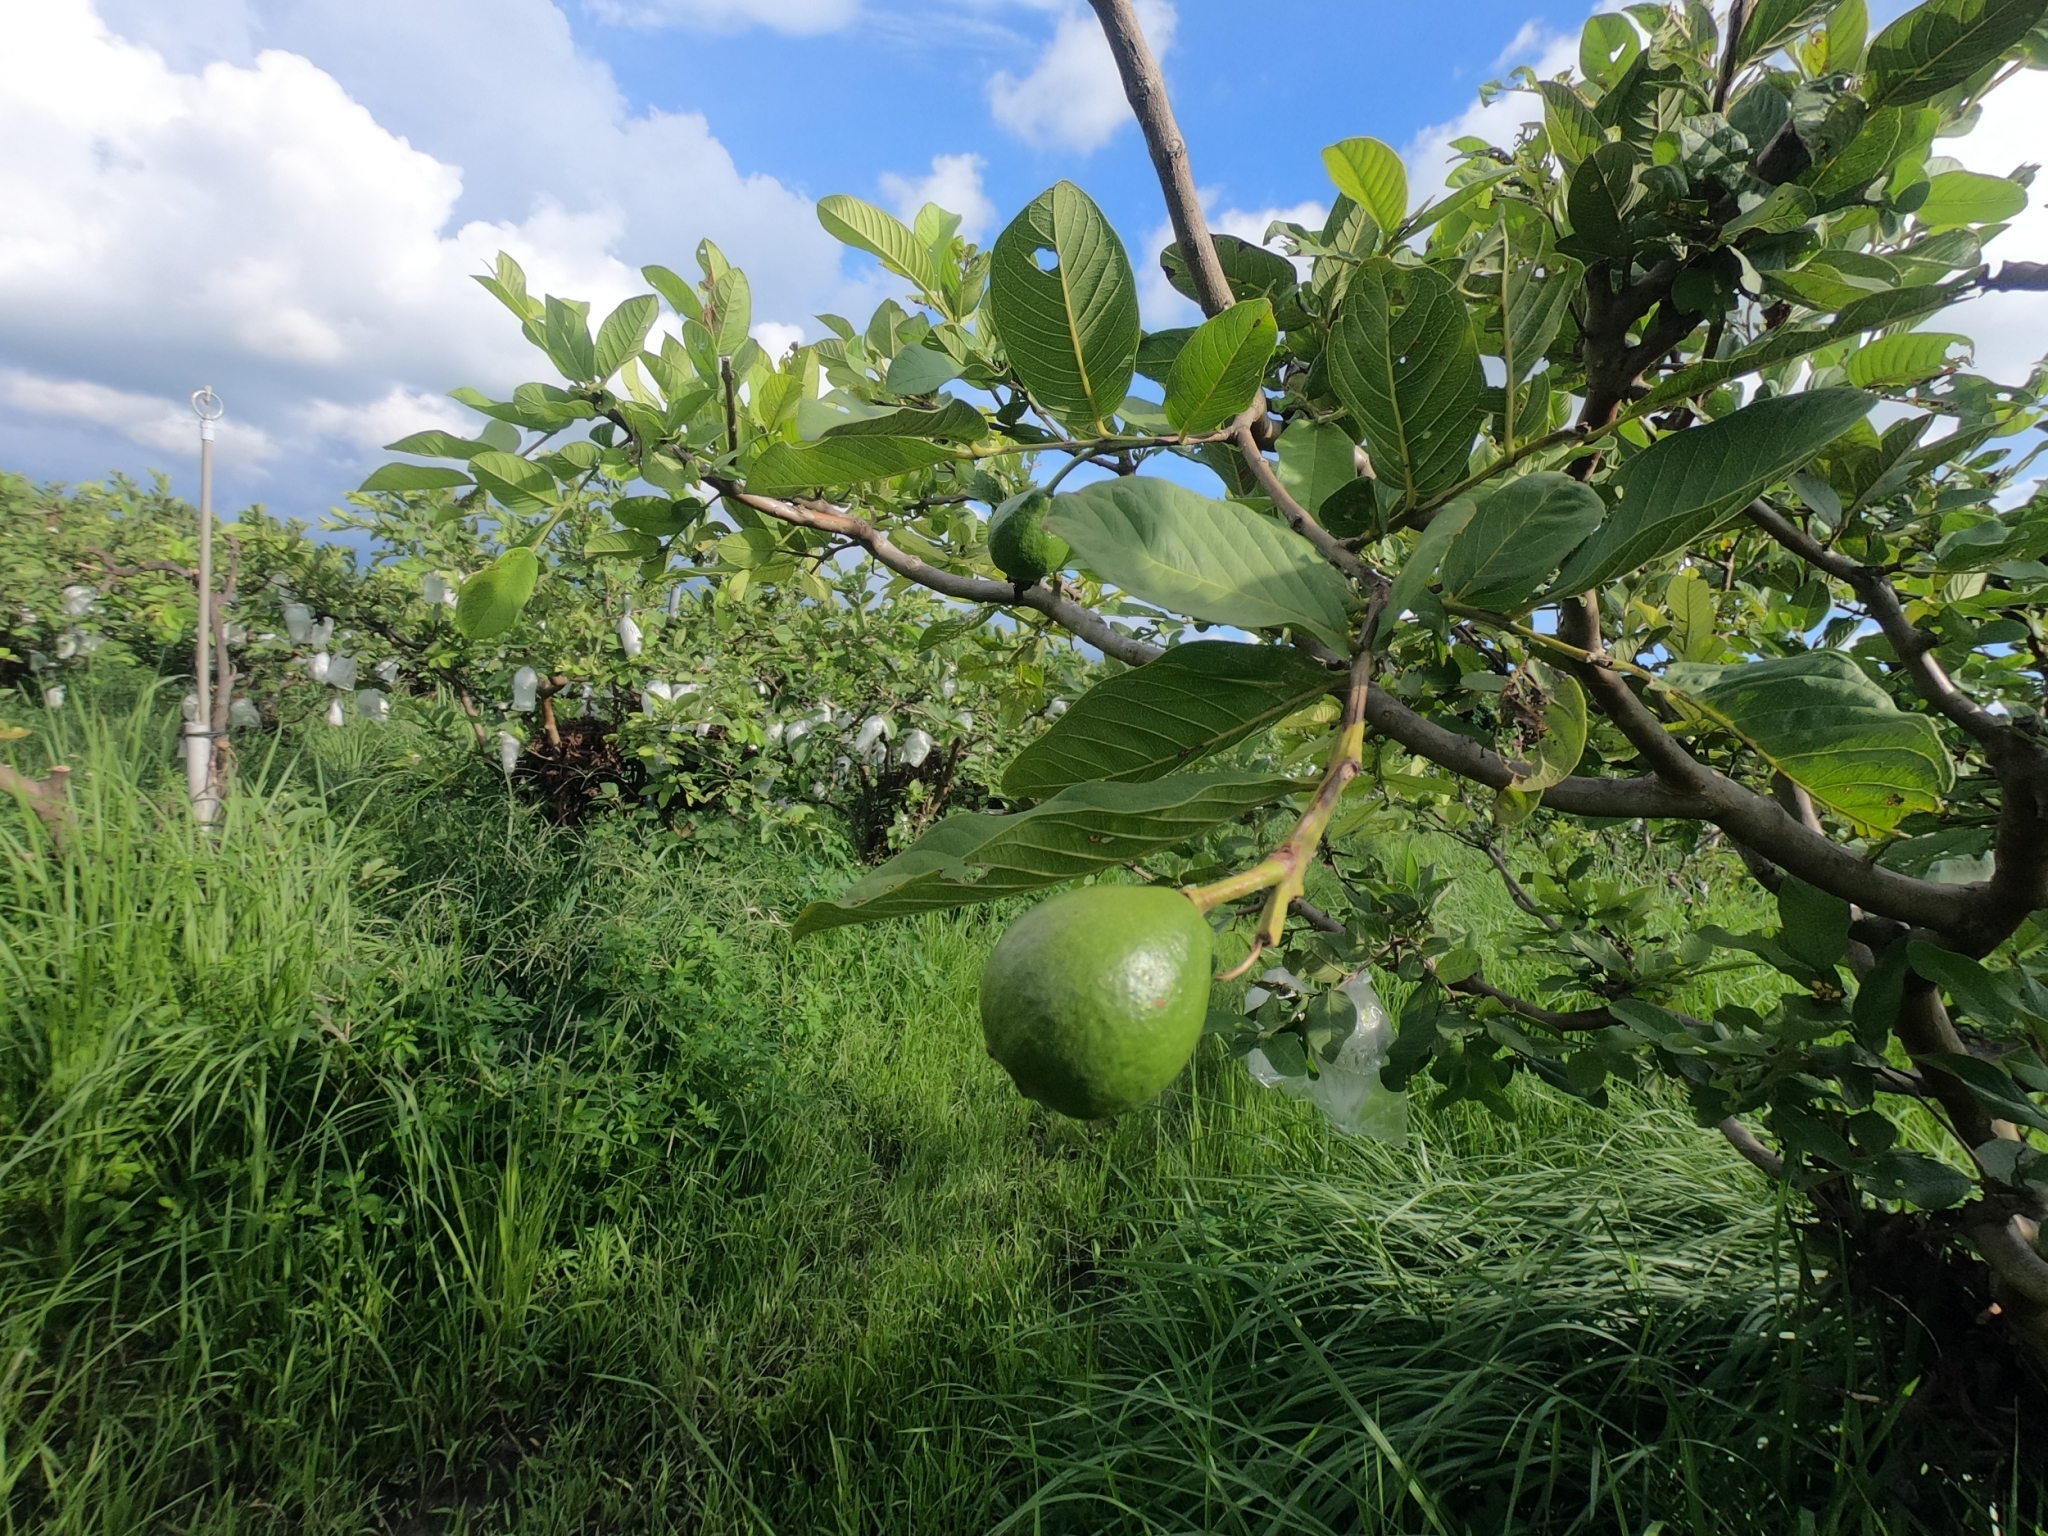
(1019,542)
(1094,1000)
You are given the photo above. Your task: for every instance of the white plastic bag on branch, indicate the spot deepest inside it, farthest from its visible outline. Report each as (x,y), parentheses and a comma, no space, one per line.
(916,747)
(508,752)
(629,636)
(298,622)
(372,705)
(870,742)
(243,715)
(525,685)
(189,707)
(654,694)
(320,634)
(318,665)
(53,698)
(1348,1090)
(434,587)
(341,672)
(387,671)
(78,601)
(337,712)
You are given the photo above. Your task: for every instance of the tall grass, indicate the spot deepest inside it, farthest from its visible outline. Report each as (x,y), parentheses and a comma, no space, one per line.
(387,1161)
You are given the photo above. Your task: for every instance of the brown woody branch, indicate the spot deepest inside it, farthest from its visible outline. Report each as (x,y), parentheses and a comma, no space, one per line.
(1085,623)
(1145,89)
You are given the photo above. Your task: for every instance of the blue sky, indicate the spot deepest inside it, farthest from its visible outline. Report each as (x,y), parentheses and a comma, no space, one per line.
(285,198)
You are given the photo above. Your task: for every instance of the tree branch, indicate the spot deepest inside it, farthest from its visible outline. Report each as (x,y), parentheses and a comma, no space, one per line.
(1744,1140)
(1145,89)
(1085,623)
(1298,517)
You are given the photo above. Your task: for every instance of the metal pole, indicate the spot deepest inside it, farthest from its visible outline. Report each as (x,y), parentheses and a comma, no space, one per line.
(199,744)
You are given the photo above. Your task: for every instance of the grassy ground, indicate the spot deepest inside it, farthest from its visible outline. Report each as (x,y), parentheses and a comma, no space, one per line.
(395,1164)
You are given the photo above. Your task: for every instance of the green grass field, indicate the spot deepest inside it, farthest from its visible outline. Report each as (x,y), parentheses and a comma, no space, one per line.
(393,1163)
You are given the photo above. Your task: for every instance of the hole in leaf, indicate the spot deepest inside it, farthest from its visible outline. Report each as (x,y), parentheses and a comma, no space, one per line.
(1047,258)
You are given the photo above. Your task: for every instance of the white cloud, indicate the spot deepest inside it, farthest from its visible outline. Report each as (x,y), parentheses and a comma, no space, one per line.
(954,184)
(165,426)
(1429,154)
(1073,98)
(1161,304)
(2010,329)
(257,225)
(777,339)
(795,17)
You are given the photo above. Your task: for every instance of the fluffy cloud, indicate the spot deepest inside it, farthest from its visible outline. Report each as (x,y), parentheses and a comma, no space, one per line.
(796,17)
(255,224)
(1072,98)
(954,184)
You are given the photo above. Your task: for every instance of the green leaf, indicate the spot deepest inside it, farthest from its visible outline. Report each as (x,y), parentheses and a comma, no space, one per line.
(1219,370)
(1371,175)
(657,515)
(442,445)
(1421,566)
(621,544)
(1957,198)
(1911,358)
(1574,132)
(1520,534)
(1403,361)
(1158,349)
(787,467)
(1994,1088)
(495,596)
(1210,560)
(1918,1178)
(624,329)
(517,483)
(1784,209)
(412,477)
(1601,195)
(1686,483)
(975,857)
(1316,462)
(954,422)
(1563,741)
(682,298)
(1695,621)
(882,235)
(1813,925)
(1536,296)
(1819,720)
(1196,699)
(1774,23)
(565,337)
(1071,328)
(1878,995)
(920,369)
(1252,271)
(1978,991)
(731,309)
(1942,44)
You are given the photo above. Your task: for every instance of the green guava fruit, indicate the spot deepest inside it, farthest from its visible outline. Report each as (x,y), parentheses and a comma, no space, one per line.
(1019,543)
(1093,1001)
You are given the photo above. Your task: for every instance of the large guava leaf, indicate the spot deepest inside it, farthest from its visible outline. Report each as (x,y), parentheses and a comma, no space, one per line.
(1143,724)
(1065,303)
(1686,483)
(1212,560)
(1941,44)
(1220,367)
(1403,361)
(1820,720)
(974,857)
(787,467)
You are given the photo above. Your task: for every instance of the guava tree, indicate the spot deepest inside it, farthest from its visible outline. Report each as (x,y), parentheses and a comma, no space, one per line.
(1630,481)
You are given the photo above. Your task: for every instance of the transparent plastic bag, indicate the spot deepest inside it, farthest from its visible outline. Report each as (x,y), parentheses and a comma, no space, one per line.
(1347,1090)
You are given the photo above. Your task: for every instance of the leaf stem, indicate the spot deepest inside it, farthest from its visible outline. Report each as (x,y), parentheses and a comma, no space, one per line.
(1284,871)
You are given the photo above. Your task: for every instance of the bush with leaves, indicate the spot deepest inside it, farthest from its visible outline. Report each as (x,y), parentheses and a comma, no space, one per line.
(1630,481)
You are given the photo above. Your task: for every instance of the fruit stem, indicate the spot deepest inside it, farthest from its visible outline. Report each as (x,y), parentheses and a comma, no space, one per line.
(1284,871)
